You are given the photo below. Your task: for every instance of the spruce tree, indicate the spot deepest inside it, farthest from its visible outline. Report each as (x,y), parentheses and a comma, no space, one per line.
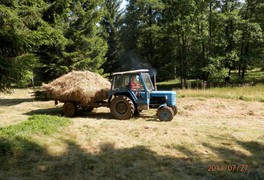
(80,46)
(86,49)
(111,24)
(17,37)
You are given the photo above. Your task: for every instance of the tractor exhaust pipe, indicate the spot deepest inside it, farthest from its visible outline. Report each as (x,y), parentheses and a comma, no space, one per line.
(155,82)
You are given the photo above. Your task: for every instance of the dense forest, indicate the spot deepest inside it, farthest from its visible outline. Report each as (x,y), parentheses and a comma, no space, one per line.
(187,39)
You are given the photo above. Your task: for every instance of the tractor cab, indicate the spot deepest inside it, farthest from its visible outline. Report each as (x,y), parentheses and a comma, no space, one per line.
(133,91)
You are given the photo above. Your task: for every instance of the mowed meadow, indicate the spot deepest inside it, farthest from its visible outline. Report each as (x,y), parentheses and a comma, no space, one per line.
(210,52)
(210,138)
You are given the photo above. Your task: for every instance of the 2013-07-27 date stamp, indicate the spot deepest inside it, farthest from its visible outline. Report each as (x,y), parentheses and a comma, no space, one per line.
(227,167)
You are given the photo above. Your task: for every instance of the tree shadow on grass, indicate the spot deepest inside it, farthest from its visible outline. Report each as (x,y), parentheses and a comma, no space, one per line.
(93,115)
(108,116)
(49,111)
(256,161)
(33,161)
(80,113)
(22,158)
(237,158)
(14,101)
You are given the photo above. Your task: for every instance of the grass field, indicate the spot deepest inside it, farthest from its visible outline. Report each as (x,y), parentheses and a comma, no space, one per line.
(250,89)
(210,138)
(247,93)
(252,78)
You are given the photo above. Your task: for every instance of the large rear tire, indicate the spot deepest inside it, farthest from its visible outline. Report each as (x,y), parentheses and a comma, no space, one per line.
(165,113)
(69,109)
(122,107)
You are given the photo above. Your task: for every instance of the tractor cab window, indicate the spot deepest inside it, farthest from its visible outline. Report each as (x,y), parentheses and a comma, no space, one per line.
(136,83)
(120,82)
(148,82)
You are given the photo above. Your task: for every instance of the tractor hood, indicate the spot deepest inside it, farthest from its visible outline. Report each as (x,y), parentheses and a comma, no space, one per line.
(163,93)
(171,96)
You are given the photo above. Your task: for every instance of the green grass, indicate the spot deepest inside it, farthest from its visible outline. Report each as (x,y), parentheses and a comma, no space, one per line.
(255,75)
(44,124)
(12,137)
(168,85)
(169,82)
(248,93)
(249,89)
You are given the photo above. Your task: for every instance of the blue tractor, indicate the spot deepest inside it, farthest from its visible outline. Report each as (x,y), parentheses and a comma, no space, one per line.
(133,91)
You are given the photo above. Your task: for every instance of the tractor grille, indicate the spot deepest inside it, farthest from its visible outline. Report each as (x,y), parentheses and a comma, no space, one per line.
(173,99)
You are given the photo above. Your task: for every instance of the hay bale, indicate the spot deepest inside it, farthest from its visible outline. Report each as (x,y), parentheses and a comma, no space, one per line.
(79,86)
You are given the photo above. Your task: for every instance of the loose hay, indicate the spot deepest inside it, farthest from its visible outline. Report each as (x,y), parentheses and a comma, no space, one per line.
(84,87)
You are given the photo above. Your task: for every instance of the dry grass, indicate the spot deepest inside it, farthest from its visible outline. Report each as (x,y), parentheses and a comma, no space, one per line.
(248,93)
(206,132)
(19,105)
(79,86)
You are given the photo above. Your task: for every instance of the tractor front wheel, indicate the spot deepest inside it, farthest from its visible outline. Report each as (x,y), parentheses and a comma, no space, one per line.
(165,113)
(122,107)
(69,109)
(175,110)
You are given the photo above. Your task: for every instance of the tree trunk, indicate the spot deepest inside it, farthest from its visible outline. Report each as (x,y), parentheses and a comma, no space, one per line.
(239,71)
(243,72)
(247,55)
(241,61)
(151,51)
(184,60)
(210,20)
(245,43)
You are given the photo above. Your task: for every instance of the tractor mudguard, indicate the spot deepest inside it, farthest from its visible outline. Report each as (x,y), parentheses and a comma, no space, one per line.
(163,105)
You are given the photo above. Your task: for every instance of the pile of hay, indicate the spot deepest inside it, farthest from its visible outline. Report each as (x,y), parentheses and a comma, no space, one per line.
(78,86)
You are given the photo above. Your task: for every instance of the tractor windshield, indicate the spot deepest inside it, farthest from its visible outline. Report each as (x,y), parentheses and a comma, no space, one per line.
(120,82)
(148,82)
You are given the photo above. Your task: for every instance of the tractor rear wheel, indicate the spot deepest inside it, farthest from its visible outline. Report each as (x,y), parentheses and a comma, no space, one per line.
(69,109)
(165,113)
(122,107)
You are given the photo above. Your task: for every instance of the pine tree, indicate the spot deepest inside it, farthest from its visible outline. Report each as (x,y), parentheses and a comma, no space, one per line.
(111,23)
(139,34)
(86,49)
(52,63)
(79,46)
(17,37)
(130,56)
